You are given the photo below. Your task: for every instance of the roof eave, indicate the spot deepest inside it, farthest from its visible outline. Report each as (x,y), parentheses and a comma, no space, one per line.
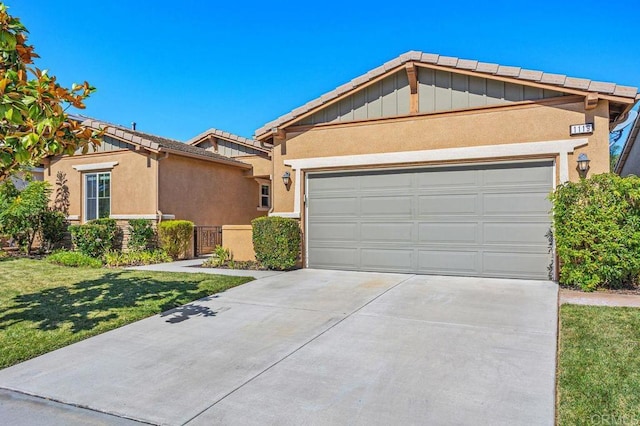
(206,158)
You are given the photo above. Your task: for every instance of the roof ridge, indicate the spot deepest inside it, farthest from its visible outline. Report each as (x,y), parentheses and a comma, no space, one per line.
(454,63)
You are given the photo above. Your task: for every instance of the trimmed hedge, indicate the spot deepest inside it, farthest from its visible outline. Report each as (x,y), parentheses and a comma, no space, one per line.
(95,237)
(175,237)
(276,242)
(597,231)
(141,234)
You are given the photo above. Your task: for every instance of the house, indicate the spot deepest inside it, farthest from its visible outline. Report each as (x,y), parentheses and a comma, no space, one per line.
(135,175)
(629,161)
(438,165)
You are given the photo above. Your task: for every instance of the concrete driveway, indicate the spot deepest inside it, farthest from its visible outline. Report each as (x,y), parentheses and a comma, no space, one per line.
(311,347)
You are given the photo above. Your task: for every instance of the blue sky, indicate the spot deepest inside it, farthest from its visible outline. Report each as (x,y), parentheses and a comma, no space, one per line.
(178,68)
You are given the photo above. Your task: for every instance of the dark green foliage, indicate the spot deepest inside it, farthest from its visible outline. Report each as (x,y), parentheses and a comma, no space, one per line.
(21,212)
(597,231)
(175,237)
(276,242)
(95,237)
(141,234)
(54,228)
(116,259)
(73,259)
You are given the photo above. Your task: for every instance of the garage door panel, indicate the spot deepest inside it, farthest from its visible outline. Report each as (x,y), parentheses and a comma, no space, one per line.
(475,220)
(334,257)
(384,259)
(338,206)
(449,262)
(398,206)
(386,181)
(516,204)
(508,264)
(398,232)
(516,233)
(450,178)
(444,232)
(517,175)
(331,231)
(447,204)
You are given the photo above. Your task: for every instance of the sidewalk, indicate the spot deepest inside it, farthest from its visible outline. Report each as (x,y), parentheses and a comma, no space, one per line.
(192,266)
(598,298)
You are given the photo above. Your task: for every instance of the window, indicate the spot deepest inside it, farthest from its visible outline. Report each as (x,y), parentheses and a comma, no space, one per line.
(97,195)
(264,196)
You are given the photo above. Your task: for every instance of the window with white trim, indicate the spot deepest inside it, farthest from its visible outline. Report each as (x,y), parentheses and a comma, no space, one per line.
(97,195)
(265,198)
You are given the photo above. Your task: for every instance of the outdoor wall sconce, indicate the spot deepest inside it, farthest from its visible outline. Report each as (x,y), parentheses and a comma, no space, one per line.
(583,164)
(286,178)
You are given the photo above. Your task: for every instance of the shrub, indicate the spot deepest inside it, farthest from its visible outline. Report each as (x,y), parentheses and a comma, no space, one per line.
(221,257)
(94,238)
(597,231)
(276,242)
(141,234)
(21,211)
(116,259)
(54,227)
(73,259)
(175,237)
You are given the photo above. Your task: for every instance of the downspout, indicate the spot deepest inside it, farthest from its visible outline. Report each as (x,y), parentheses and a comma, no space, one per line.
(158,212)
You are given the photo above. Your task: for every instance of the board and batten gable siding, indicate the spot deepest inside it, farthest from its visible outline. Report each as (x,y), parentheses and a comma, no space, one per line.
(229,149)
(108,144)
(445,91)
(387,98)
(437,91)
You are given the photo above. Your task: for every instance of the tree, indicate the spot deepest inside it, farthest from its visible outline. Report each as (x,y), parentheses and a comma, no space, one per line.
(33,121)
(21,212)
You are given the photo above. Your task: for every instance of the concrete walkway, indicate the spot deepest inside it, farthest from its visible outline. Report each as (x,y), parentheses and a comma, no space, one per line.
(192,266)
(311,347)
(598,298)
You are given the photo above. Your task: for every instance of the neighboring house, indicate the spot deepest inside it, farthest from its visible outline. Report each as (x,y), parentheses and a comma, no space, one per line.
(629,161)
(20,180)
(246,150)
(438,165)
(137,175)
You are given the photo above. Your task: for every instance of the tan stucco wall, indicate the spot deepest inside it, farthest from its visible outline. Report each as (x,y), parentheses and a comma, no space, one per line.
(133,181)
(261,165)
(494,126)
(207,193)
(239,240)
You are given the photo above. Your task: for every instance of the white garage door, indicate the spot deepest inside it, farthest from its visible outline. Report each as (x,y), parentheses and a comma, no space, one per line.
(480,220)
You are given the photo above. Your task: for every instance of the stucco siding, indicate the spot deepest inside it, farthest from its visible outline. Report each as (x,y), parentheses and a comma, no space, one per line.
(207,193)
(133,181)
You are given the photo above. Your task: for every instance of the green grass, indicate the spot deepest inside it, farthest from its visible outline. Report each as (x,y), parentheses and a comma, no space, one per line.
(599,365)
(44,307)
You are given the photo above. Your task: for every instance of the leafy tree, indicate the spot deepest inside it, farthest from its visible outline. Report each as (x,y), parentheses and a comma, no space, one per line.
(22,212)
(33,122)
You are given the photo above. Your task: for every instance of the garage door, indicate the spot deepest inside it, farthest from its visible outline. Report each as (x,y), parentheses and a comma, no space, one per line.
(485,221)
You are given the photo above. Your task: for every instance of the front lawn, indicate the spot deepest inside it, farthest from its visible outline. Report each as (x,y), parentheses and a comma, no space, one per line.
(44,307)
(599,365)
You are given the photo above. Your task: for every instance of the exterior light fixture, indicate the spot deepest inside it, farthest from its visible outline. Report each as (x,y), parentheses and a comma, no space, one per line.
(286,178)
(583,164)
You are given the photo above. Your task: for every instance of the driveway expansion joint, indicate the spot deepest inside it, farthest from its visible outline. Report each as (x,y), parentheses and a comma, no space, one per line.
(298,349)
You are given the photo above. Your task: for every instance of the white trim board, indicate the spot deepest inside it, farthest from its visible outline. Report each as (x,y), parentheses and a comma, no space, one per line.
(562,148)
(95,167)
(141,216)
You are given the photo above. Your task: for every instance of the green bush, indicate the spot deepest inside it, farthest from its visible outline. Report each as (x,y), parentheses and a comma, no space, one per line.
(141,234)
(95,237)
(276,242)
(116,259)
(597,231)
(54,227)
(73,259)
(175,237)
(21,211)
(221,257)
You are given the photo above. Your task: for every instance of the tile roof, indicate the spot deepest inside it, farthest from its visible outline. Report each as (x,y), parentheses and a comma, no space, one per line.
(230,137)
(558,80)
(156,143)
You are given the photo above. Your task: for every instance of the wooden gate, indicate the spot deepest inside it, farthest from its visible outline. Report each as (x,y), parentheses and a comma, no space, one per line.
(205,239)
